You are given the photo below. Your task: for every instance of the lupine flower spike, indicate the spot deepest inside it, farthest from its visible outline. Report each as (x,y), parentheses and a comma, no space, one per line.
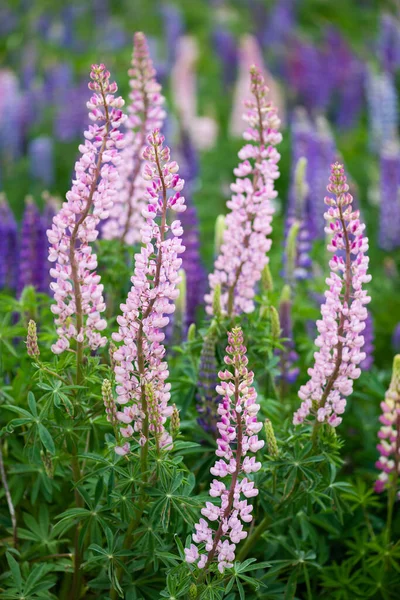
(32,347)
(244,250)
(77,289)
(339,338)
(150,301)
(238,436)
(389,435)
(145,113)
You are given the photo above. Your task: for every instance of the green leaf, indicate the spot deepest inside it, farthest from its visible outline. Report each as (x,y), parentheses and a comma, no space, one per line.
(46,439)
(15,570)
(32,404)
(291,586)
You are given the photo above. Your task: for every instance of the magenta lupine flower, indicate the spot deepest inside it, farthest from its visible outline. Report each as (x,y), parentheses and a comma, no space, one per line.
(154,288)
(339,341)
(238,436)
(77,288)
(243,253)
(145,113)
(389,434)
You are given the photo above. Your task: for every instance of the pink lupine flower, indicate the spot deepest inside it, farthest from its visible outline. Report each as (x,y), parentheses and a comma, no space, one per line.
(77,288)
(340,339)
(145,113)
(243,253)
(238,428)
(141,372)
(389,436)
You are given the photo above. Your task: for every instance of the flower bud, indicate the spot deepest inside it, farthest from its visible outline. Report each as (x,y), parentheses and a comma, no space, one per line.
(32,341)
(109,403)
(267,283)
(175,421)
(272,446)
(220,227)
(193,592)
(275,323)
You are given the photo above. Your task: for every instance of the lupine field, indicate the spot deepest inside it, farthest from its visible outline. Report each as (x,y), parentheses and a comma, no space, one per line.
(199,300)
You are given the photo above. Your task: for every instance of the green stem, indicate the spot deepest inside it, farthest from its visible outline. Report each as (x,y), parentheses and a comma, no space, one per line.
(77,577)
(308,586)
(252,539)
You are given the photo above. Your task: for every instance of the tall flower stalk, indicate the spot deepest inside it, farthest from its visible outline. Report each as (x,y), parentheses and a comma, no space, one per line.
(243,253)
(238,429)
(142,372)
(389,443)
(343,314)
(145,113)
(77,289)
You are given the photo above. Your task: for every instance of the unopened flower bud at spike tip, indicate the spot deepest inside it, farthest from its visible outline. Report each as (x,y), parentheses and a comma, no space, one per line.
(267,283)
(109,402)
(272,445)
(275,323)
(32,340)
(175,422)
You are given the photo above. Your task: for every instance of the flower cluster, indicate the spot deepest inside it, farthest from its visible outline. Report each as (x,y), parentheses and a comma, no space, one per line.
(207,398)
(145,113)
(245,245)
(389,433)
(238,435)
(77,289)
(140,357)
(343,314)
(389,215)
(8,245)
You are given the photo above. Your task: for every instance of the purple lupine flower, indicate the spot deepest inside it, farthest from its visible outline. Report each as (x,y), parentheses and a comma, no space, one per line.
(191,260)
(41,159)
(8,246)
(281,22)
(389,43)
(30,264)
(173,29)
(351,96)
(388,447)
(368,335)
(320,159)
(389,225)
(382,102)
(238,430)
(207,398)
(71,115)
(396,338)
(10,117)
(307,66)
(227,51)
(288,355)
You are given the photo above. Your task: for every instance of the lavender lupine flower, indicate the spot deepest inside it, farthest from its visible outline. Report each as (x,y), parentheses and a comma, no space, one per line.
(77,289)
(226,49)
(150,301)
(288,356)
(389,435)
(10,116)
(238,427)
(389,220)
(343,314)
(244,252)
(281,23)
(145,113)
(41,159)
(321,157)
(396,338)
(297,259)
(30,267)
(70,116)
(368,335)
(207,398)
(389,43)
(382,104)
(191,260)
(8,246)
